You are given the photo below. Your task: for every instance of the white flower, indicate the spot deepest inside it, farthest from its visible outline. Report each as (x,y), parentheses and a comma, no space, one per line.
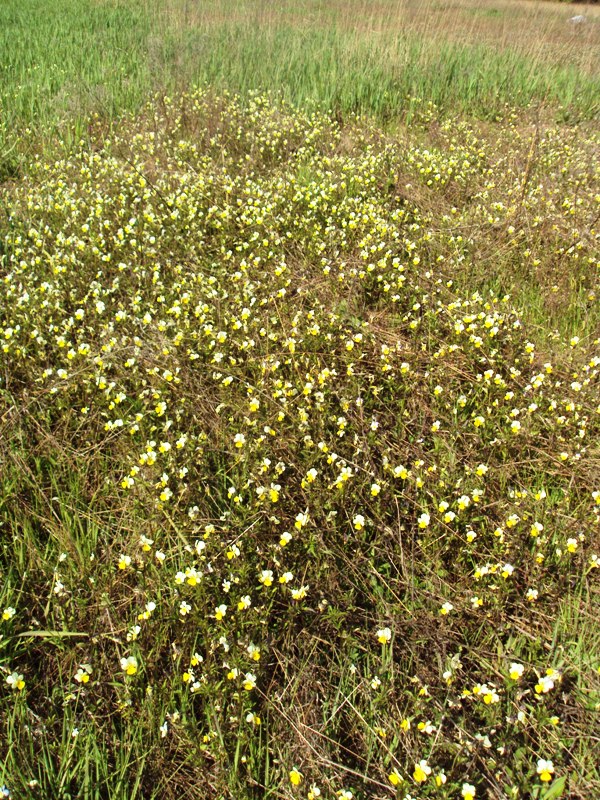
(384,635)
(129,665)
(358,522)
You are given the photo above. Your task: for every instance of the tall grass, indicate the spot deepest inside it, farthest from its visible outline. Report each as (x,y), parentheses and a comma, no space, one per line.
(381,73)
(62,60)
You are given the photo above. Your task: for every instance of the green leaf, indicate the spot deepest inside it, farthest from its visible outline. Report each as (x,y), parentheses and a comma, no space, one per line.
(555,789)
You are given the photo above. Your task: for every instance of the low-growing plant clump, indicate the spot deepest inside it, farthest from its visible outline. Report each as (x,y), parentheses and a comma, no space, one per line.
(299,459)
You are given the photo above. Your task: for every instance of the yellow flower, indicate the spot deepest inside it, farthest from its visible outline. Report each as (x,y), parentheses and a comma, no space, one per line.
(536,529)
(422,771)
(384,635)
(516,671)
(129,665)
(253,651)
(547,681)
(266,577)
(358,522)
(464,501)
(295,777)
(490,696)
(545,770)
(301,520)
(16,681)
(249,681)
(468,791)
(300,593)
(395,778)
(83,673)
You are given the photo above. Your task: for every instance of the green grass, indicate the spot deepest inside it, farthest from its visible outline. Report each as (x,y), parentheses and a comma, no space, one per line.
(61,61)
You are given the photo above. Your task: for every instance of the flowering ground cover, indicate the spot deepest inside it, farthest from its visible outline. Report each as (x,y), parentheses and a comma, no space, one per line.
(298,446)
